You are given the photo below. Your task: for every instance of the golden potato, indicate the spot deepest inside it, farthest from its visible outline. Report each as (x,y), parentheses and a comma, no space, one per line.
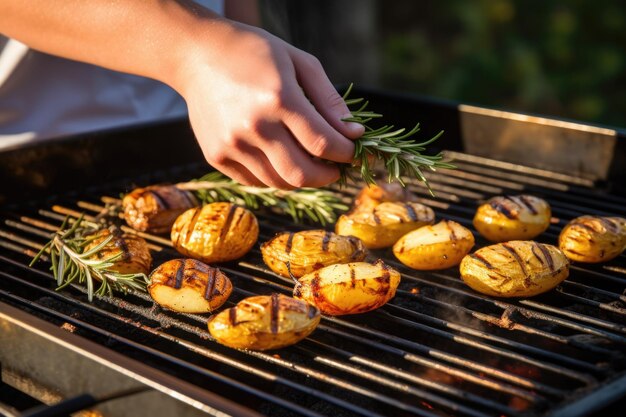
(309,250)
(349,288)
(135,256)
(506,218)
(593,239)
(373,195)
(515,269)
(189,286)
(154,209)
(264,322)
(217,232)
(434,247)
(382,225)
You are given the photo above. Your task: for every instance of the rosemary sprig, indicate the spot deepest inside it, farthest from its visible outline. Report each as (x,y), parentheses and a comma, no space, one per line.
(71,263)
(320,206)
(400,152)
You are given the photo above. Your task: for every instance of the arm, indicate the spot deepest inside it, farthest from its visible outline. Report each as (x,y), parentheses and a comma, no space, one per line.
(245,89)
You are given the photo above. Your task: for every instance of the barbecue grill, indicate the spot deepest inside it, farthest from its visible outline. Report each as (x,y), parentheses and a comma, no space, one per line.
(437,349)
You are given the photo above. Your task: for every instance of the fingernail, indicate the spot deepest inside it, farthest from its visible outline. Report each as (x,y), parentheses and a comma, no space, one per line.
(353,126)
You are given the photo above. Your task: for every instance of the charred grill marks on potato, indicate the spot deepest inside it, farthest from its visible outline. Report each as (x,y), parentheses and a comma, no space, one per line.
(584,225)
(352,276)
(229,220)
(120,242)
(501,207)
(608,224)
(180,272)
(188,198)
(325,241)
(289,242)
(453,236)
(481,259)
(519,260)
(232,316)
(315,288)
(384,279)
(547,256)
(191,225)
(162,202)
(411,212)
(275,306)
(357,245)
(533,249)
(210,285)
(375,215)
(528,203)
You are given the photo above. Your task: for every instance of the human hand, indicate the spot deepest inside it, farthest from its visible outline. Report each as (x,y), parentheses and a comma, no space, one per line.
(246,92)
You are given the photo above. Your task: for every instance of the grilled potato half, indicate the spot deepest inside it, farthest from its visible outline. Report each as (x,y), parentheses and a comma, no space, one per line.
(310,250)
(434,247)
(349,288)
(216,232)
(518,217)
(264,322)
(593,239)
(135,255)
(515,269)
(189,286)
(154,209)
(382,225)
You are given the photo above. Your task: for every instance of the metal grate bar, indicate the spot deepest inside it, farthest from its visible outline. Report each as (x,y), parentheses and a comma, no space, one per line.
(65,210)
(185,327)
(195,348)
(153,352)
(574,335)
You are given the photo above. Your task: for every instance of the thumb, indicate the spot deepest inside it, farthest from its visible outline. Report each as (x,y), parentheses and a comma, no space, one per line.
(322,93)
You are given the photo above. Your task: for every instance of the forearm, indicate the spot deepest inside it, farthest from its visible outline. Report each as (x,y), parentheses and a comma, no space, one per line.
(263,111)
(149,37)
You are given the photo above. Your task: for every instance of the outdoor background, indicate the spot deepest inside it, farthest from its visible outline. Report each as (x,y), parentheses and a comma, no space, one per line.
(559,58)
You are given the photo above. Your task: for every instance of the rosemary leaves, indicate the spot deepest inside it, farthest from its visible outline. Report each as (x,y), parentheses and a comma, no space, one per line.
(87,254)
(320,206)
(396,148)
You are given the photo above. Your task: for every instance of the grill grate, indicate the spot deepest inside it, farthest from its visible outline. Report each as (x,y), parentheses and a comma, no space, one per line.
(437,349)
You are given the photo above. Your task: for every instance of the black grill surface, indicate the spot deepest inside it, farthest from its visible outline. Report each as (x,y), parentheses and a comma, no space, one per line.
(437,349)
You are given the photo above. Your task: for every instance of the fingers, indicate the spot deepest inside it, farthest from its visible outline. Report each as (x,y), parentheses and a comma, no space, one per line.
(239,173)
(292,163)
(252,167)
(314,133)
(320,90)
(276,160)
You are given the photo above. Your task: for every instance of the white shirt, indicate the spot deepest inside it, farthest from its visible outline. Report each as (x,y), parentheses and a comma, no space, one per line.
(44,96)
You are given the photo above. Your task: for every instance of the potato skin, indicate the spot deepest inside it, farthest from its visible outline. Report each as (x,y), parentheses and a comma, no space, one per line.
(136,258)
(382,225)
(264,322)
(350,288)
(434,247)
(155,208)
(515,269)
(593,239)
(310,250)
(505,218)
(189,286)
(216,232)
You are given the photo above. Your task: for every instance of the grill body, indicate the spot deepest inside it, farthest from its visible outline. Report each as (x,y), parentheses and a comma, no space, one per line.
(438,348)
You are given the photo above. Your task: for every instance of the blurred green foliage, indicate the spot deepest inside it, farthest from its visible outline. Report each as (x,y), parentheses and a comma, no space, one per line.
(561,58)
